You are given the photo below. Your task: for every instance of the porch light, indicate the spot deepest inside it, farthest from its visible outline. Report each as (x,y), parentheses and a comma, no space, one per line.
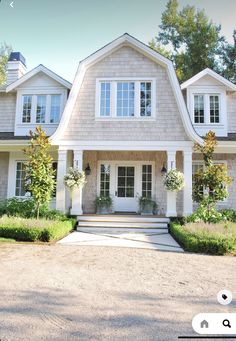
(163,170)
(88,170)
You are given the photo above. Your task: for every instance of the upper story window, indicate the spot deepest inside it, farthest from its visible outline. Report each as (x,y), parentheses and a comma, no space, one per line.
(41,109)
(206,108)
(125,98)
(55,110)
(27,106)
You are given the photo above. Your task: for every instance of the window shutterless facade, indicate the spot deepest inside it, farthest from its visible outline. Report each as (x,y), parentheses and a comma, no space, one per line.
(147,181)
(41,109)
(206,108)
(125,98)
(105,180)
(20,179)
(27,107)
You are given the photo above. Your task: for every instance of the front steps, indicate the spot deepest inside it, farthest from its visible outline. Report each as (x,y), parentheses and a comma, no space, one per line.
(122,223)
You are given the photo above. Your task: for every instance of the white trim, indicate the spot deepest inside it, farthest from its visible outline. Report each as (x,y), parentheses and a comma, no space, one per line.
(113,98)
(21,128)
(125,40)
(35,71)
(211,73)
(127,145)
(138,176)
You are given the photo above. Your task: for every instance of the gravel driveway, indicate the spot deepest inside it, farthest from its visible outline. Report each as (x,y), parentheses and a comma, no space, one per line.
(97,293)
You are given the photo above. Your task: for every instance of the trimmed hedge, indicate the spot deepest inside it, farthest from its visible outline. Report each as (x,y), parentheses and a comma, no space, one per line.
(204,241)
(34,230)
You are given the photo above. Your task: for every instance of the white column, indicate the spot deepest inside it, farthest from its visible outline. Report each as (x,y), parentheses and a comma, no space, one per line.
(77,192)
(171,196)
(61,190)
(188,201)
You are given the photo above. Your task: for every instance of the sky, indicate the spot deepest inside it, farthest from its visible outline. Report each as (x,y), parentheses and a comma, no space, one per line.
(60,33)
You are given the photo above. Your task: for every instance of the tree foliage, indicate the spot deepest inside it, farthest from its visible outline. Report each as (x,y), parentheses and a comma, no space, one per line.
(190,39)
(210,183)
(40,176)
(229,60)
(5,51)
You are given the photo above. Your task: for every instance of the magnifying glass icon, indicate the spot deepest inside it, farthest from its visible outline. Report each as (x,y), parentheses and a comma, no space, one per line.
(226,323)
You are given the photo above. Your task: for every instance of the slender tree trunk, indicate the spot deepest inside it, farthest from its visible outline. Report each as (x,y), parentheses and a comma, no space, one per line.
(37,211)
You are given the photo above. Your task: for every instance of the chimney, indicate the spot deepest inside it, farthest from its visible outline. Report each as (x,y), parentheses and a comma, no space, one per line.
(16,67)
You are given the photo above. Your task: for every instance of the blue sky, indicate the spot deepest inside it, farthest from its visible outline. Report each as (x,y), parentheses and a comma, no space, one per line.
(60,33)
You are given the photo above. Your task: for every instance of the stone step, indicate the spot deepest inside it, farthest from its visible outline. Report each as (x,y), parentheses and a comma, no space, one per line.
(122,224)
(118,231)
(123,218)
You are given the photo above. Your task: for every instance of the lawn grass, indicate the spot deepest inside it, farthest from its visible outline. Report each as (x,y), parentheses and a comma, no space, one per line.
(33,230)
(215,239)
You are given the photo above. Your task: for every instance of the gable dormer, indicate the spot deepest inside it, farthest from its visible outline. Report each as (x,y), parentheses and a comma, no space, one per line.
(206,98)
(41,96)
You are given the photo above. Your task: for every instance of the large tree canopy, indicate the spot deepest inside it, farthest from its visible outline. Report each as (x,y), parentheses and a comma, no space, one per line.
(191,40)
(5,51)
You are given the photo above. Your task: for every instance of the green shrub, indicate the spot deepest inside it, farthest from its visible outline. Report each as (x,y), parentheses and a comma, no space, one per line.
(34,230)
(229,214)
(26,208)
(219,239)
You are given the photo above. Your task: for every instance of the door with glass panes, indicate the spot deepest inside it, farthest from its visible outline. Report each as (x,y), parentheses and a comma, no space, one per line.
(126,189)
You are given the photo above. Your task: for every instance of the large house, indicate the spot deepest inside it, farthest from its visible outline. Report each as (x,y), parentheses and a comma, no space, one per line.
(125,119)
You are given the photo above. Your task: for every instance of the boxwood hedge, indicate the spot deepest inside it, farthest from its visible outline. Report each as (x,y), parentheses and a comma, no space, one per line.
(34,230)
(205,242)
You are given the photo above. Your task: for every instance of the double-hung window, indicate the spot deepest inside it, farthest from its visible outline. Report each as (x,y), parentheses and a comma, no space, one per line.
(206,108)
(126,98)
(27,108)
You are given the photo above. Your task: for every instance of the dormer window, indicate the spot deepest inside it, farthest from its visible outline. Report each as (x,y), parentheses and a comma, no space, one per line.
(41,109)
(27,106)
(206,108)
(125,98)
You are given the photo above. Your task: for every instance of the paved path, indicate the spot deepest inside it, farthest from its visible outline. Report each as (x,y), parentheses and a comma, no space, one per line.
(134,238)
(64,293)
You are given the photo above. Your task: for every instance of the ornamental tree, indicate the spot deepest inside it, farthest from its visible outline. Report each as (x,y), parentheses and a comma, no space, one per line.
(39,173)
(210,182)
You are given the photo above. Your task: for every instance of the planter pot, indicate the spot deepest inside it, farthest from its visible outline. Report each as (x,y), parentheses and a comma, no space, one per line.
(103,210)
(147,209)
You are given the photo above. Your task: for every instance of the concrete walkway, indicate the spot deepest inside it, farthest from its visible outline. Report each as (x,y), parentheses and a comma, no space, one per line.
(132,238)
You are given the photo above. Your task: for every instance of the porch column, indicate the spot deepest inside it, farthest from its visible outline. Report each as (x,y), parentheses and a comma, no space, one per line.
(171,196)
(188,201)
(76,208)
(61,190)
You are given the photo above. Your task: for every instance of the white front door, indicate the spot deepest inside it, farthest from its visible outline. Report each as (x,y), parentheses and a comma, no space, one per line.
(126,189)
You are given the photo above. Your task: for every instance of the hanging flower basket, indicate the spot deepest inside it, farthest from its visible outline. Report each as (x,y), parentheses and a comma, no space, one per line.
(74,178)
(174,180)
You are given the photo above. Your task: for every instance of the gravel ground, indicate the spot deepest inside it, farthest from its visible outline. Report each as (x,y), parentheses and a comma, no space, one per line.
(102,293)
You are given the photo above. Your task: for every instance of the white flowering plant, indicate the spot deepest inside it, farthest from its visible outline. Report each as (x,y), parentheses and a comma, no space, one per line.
(174,180)
(74,178)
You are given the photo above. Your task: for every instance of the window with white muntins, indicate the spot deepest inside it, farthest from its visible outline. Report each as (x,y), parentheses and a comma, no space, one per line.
(125,98)
(41,109)
(206,108)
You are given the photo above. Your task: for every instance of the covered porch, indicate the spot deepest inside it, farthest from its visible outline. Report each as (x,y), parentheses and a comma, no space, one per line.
(125,175)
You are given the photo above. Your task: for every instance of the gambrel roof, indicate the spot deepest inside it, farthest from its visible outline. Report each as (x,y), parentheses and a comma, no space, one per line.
(126,40)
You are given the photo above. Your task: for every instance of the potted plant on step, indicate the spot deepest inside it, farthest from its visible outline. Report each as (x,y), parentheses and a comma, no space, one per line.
(147,206)
(103,205)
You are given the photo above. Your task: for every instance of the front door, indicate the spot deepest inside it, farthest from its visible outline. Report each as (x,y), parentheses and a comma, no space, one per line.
(125,196)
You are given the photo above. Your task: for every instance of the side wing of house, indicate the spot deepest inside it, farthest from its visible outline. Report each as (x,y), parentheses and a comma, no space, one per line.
(211,102)
(29,99)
